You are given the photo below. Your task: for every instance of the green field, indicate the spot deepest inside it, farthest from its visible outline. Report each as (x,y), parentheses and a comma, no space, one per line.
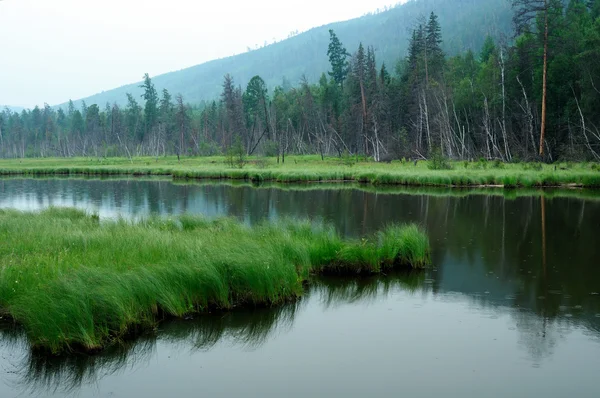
(306,169)
(77,283)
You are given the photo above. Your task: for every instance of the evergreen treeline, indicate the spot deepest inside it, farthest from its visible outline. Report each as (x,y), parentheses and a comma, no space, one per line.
(466,106)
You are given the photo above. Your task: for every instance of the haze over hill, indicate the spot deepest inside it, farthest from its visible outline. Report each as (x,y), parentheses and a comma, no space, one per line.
(12,108)
(465,24)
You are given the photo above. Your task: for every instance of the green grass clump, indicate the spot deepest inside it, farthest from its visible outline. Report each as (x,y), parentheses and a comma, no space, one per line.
(78,283)
(404,244)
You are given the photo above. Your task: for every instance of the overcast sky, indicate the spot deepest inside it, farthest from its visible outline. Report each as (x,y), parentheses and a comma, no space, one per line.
(53,50)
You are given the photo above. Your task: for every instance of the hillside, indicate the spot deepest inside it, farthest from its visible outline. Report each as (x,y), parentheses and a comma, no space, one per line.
(465,24)
(12,108)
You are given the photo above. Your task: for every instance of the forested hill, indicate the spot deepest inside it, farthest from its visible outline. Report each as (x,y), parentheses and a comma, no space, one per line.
(465,23)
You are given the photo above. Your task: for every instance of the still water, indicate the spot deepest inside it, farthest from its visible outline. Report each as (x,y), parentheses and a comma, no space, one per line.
(510,309)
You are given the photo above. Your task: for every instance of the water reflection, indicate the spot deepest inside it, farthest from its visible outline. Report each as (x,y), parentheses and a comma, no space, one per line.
(537,336)
(249,329)
(527,257)
(335,291)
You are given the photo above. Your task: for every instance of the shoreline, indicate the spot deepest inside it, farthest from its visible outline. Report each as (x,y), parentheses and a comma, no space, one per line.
(310,171)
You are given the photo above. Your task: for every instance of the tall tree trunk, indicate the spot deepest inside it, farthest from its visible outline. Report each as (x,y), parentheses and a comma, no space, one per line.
(426,114)
(504,133)
(544,78)
(364,115)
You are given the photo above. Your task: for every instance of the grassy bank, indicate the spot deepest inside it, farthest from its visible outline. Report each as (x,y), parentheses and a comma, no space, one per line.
(456,192)
(306,169)
(74,282)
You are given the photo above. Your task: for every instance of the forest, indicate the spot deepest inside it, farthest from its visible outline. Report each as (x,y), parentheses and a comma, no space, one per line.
(532,96)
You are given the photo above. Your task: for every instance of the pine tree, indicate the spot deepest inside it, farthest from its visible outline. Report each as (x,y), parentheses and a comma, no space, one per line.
(433,49)
(70,109)
(255,104)
(166,106)
(151,108)
(77,123)
(133,119)
(415,49)
(182,123)
(84,109)
(337,58)
(489,48)
(384,75)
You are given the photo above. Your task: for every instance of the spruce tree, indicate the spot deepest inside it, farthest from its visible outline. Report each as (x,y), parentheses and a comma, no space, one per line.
(433,46)
(151,108)
(338,55)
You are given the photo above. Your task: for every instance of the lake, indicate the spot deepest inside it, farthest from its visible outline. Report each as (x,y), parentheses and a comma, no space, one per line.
(510,308)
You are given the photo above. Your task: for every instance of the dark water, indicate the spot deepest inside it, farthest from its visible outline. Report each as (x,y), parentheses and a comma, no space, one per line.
(511,309)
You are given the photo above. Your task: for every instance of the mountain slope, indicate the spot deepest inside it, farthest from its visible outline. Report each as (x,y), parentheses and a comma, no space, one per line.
(12,108)
(465,24)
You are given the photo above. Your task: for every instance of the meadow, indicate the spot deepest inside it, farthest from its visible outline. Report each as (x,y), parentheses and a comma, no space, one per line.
(78,283)
(307,169)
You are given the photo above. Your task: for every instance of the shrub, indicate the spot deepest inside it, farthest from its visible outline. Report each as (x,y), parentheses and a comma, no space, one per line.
(236,156)
(206,149)
(347,159)
(438,161)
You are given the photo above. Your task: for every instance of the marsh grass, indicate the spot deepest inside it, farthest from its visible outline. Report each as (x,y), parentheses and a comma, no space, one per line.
(79,283)
(310,169)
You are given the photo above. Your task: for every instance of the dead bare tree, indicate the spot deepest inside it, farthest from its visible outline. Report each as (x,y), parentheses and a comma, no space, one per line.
(527,111)
(503,122)
(584,129)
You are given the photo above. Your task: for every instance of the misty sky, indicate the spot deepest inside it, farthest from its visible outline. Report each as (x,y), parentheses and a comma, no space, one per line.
(53,50)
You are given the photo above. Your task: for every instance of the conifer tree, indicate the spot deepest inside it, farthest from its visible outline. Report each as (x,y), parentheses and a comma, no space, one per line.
(338,55)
